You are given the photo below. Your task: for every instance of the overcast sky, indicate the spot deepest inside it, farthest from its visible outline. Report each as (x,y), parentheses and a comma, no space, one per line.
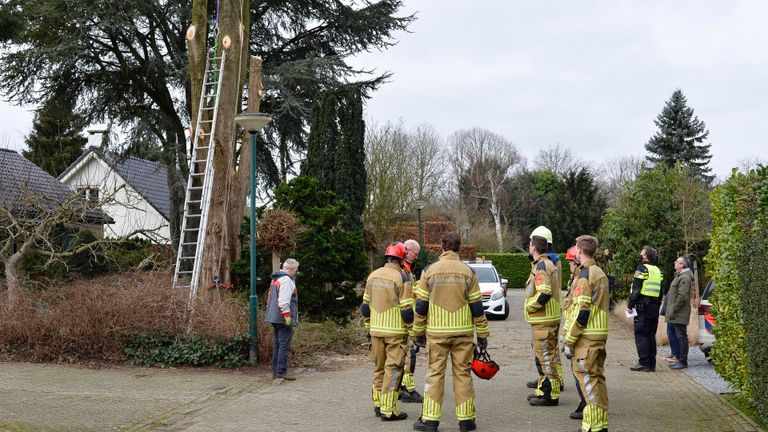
(591,75)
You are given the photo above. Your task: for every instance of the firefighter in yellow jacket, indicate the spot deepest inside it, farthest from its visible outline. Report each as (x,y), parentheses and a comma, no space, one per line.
(586,336)
(542,312)
(387,311)
(408,392)
(449,311)
(571,255)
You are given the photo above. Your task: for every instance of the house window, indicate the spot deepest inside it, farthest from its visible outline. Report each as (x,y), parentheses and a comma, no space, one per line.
(90,194)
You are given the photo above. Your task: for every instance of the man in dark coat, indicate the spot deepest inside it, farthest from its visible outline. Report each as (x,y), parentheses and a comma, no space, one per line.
(679,308)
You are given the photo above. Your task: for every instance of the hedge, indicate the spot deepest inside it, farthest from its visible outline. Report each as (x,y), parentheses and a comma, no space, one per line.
(738,261)
(516,267)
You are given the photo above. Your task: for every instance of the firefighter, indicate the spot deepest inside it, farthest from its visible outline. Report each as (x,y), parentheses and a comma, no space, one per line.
(408,392)
(449,311)
(571,256)
(387,311)
(542,312)
(587,333)
(646,300)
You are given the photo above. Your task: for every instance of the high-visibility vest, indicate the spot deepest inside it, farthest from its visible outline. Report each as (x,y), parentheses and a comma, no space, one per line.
(652,285)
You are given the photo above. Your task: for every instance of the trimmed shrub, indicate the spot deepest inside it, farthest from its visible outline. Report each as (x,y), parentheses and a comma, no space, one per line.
(753,306)
(730,226)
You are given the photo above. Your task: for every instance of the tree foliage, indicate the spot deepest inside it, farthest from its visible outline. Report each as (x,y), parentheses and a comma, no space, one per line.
(576,206)
(55,141)
(126,62)
(350,172)
(650,212)
(680,138)
(332,260)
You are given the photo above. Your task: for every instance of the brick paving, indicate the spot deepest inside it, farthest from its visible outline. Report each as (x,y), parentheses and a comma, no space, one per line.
(51,397)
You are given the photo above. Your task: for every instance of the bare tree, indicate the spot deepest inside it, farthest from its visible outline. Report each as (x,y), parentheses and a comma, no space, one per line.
(614,174)
(481,162)
(386,159)
(425,161)
(557,158)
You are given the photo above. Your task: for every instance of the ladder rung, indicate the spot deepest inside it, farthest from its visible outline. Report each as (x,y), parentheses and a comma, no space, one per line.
(200,160)
(188,244)
(202,148)
(196,174)
(194,215)
(195,187)
(206,121)
(186,257)
(184,272)
(191,229)
(194,201)
(207,109)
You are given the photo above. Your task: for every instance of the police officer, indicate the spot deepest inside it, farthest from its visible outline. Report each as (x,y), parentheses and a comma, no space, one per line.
(449,310)
(387,311)
(570,310)
(586,336)
(646,300)
(542,312)
(408,391)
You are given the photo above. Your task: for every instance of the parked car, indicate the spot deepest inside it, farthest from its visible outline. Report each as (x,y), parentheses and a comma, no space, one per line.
(493,287)
(706,320)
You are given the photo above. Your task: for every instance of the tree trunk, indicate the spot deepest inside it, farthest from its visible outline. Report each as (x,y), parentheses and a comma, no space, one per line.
(496,212)
(275,260)
(12,279)
(196,44)
(222,245)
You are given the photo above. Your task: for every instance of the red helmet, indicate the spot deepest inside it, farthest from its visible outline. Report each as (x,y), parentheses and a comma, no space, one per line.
(483,366)
(570,254)
(395,250)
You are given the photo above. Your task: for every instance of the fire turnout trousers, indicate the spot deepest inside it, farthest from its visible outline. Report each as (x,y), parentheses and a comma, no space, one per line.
(387,354)
(408,383)
(544,342)
(589,369)
(460,349)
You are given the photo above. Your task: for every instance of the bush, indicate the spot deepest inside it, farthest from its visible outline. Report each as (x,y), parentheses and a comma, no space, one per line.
(730,225)
(517,266)
(165,349)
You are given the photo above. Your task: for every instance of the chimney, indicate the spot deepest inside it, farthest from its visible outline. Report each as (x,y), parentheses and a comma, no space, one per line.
(97,136)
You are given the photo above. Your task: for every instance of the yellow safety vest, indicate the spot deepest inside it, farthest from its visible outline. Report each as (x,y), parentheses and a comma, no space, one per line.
(652,285)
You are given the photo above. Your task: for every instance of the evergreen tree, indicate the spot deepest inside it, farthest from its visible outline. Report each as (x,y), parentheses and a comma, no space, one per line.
(575,207)
(350,156)
(680,138)
(55,141)
(323,143)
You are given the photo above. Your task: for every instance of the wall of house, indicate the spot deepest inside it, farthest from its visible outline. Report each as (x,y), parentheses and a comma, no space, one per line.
(121,202)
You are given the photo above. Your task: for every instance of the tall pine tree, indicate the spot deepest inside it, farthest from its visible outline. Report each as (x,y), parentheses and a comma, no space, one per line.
(55,140)
(680,138)
(350,183)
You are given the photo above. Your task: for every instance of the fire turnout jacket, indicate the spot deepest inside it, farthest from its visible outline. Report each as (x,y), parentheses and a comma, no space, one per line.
(387,307)
(591,298)
(449,301)
(542,300)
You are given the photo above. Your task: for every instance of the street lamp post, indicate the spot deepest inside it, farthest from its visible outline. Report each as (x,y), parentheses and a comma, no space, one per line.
(419,206)
(253,123)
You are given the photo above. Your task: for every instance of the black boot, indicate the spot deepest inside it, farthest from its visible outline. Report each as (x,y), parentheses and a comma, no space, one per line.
(411,396)
(578,414)
(543,401)
(532,384)
(377,411)
(467,425)
(428,425)
(395,417)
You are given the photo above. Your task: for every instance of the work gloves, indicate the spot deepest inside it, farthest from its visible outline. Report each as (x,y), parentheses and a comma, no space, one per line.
(482,343)
(420,341)
(288,321)
(568,352)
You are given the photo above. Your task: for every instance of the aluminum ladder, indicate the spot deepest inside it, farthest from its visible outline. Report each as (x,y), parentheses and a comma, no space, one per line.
(200,182)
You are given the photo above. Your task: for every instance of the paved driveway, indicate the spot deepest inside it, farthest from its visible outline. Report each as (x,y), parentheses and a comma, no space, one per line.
(336,398)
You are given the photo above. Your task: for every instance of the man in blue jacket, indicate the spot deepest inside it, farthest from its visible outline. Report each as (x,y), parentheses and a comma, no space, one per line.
(282,313)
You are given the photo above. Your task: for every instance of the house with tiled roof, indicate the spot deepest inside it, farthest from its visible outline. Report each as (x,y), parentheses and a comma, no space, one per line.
(137,191)
(29,193)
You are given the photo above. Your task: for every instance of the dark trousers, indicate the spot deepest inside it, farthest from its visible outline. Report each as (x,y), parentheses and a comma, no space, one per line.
(681,333)
(282,348)
(674,345)
(646,323)
(582,403)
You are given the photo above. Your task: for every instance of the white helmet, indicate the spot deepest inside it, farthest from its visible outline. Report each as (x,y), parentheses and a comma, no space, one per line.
(542,231)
